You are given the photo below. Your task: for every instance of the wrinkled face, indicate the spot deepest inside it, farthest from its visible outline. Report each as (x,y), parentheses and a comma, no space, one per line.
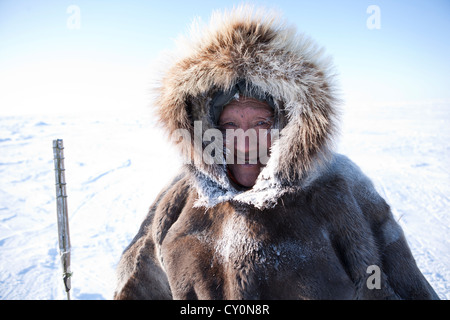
(246,124)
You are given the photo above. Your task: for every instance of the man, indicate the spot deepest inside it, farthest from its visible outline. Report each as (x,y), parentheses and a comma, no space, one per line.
(299,223)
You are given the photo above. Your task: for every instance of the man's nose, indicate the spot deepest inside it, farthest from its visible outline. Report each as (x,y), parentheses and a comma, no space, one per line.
(246,141)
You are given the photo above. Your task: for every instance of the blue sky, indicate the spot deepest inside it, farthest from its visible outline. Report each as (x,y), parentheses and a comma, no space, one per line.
(45,66)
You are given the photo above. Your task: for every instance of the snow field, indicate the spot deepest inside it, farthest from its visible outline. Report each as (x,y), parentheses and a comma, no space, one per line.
(116,164)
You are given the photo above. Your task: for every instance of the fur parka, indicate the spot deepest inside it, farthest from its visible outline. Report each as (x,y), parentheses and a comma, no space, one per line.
(312,226)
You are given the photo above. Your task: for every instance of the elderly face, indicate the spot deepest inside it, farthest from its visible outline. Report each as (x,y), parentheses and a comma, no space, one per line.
(254,118)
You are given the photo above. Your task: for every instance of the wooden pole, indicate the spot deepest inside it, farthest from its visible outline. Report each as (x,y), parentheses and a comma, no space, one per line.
(61,210)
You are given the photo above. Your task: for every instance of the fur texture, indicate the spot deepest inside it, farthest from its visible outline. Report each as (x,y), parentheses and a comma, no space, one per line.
(311,225)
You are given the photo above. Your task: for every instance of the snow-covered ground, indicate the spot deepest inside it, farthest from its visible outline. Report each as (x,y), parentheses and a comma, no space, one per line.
(117,163)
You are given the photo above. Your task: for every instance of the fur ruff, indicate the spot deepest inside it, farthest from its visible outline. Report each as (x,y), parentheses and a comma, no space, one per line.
(251,45)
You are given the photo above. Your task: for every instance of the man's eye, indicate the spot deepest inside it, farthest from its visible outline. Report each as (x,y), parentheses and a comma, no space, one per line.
(228,125)
(266,124)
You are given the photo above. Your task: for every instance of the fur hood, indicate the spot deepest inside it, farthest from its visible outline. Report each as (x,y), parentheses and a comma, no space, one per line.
(262,50)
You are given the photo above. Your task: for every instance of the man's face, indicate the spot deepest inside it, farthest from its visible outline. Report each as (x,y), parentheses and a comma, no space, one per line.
(255,119)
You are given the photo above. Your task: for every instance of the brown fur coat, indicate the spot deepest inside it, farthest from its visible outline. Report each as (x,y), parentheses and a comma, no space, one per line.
(313,223)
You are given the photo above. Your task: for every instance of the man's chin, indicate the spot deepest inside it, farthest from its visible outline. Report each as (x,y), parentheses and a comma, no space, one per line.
(246,174)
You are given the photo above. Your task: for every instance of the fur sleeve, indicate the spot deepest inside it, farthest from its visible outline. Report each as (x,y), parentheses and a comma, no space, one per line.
(399,265)
(370,235)
(397,262)
(141,273)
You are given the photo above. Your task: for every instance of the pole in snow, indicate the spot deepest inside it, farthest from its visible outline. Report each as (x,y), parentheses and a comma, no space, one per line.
(61,210)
